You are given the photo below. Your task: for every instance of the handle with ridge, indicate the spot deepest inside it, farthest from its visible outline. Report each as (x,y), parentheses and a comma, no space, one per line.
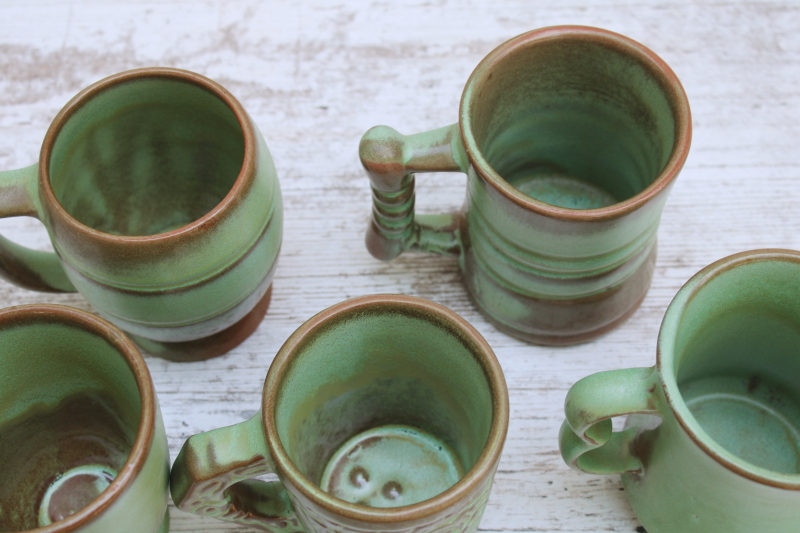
(30,269)
(213,476)
(586,440)
(391,159)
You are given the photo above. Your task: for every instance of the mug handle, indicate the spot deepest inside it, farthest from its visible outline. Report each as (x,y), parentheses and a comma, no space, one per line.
(30,269)
(212,476)
(391,159)
(586,439)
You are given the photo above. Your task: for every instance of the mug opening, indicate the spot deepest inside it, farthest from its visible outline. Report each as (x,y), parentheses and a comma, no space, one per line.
(77,419)
(730,363)
(378,379)
(145,152)
(575,120)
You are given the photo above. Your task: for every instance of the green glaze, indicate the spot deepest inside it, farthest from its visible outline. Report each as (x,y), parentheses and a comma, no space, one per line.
(571,138)
(382,413)
(422,466)
(161,201)
(713,441)
(82,441)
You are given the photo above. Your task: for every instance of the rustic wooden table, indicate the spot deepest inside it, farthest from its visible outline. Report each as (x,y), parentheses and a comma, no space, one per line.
(315,75)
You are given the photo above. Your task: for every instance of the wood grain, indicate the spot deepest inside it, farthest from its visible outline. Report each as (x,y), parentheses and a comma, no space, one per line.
(315,75)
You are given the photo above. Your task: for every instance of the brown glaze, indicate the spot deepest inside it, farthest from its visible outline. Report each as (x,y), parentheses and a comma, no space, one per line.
(213,345)
(82,430)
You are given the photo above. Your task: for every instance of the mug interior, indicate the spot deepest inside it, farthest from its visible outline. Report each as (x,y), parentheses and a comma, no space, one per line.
(385,406)
(70,410)
(737,363)
(146,156)
(577,120)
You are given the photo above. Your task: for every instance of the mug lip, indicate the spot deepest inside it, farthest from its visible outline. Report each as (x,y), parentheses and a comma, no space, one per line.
(669,81)
(243,180)
(665,359)
(142,445)
(483,467)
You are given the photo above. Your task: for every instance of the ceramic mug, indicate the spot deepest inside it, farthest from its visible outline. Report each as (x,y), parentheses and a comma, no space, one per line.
(381,413)
(82,442)
(571,138)
(162,204)
(712,443)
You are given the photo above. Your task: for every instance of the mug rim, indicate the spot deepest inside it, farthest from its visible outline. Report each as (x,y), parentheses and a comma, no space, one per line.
(243,180)
(488,459)
(665,358)
(145,433)
(669,81)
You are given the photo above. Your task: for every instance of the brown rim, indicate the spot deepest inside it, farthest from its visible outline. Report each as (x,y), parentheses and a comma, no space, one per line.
(669,81)
(482,468)
(243,180)
(144,435)
(668,380)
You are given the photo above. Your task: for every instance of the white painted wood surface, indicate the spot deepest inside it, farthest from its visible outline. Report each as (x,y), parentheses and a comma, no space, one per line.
(315,75)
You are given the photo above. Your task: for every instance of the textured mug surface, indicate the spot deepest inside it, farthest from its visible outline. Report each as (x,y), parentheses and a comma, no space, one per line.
(82,443)
(162,204)
(571,138)
(712,443)
(381,413)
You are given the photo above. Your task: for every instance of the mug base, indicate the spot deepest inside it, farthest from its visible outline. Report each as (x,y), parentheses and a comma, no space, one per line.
(557,322)
(211,346)
(562,340)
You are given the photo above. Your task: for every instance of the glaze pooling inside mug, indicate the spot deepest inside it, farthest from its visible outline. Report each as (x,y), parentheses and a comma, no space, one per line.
(739,367)
(372,398)
(146,156)
(69,412)
(359,471)
(573,123)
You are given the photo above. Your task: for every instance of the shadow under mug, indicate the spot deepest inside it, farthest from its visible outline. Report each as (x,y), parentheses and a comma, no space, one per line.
(571,138)
(82,443)
(712,443)
(381,413)
(163,206)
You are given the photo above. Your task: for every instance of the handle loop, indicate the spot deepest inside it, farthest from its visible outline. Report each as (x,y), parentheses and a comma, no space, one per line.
(391,159)
(30,269)
(212,476)
(586,439)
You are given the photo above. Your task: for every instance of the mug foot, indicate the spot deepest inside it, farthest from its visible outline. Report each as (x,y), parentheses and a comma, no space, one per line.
(211,346)
(558,322)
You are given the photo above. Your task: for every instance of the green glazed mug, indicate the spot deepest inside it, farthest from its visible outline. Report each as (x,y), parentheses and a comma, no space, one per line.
(162,204)
(571,138)
(712,443)
(82,443)
(381,413)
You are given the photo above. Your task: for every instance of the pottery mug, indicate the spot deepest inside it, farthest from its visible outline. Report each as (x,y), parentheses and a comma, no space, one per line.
(162,204)
(381,413)
(712,443)
(82,443)
(571,138)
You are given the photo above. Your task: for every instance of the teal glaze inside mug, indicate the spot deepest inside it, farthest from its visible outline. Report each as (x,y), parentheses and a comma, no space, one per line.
(146,156)
(70,411)
(574,123)
(384,408)
(738,366)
